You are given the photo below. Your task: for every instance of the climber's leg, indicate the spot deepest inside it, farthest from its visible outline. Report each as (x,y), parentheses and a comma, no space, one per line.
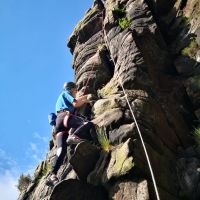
(82,129)
(59,157)
(61,151)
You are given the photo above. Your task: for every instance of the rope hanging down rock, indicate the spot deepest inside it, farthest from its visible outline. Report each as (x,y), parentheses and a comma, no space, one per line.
(138,129)
(141,138)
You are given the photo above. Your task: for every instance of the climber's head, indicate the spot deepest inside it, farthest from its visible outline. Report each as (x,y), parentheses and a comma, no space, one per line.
(70,86)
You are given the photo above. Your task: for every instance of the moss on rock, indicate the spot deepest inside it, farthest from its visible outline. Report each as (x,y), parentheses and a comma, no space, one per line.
(191,49)
(121,162)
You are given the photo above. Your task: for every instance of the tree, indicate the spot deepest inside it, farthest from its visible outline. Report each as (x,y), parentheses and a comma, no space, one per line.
(23,182)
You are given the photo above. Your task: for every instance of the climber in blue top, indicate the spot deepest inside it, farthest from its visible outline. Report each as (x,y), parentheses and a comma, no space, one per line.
(68,125)
(65,101)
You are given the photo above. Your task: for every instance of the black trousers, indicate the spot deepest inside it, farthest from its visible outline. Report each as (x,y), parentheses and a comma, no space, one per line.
(80,128)
(61,152)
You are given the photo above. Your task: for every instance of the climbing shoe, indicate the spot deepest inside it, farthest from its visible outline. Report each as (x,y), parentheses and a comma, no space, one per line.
(52,180)
(74,139)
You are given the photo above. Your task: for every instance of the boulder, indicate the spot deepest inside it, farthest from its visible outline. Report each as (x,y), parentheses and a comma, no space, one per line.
(77,190)
(84,159)
(121,161)
(130,190)
(113,164)
(109,117)
(120,135)
(95,177)
(102,105)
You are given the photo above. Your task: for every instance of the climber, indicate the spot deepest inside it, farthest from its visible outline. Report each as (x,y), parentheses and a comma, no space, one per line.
(68,125)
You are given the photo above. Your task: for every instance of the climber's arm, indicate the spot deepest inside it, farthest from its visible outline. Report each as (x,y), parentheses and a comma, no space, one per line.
(80,101)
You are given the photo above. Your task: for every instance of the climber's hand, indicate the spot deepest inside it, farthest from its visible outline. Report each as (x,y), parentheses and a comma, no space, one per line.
(92,102)
(91,97)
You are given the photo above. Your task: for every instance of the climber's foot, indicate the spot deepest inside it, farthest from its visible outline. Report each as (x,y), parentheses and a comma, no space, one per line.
(74,139)
(52,180)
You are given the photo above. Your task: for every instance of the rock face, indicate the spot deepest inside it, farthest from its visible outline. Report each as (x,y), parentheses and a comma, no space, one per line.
(77,190)
(151,48)
(130,190)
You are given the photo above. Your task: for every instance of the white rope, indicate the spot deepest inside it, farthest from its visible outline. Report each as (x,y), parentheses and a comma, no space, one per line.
(141,138)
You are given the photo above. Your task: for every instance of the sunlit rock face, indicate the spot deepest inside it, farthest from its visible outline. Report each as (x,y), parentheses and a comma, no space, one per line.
(151,48)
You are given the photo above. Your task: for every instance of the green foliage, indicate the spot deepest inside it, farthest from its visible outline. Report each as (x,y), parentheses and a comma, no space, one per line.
(186,20)
(124,22)
(197,135)
(109,88)
(105,91)
(23,182)
(43,172)
(103,139)
(119,11)
(191,49)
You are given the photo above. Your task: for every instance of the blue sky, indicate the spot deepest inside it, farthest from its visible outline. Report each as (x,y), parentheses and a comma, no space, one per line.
(34,63)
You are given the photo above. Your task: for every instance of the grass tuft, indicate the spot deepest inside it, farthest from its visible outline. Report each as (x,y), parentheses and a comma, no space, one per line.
(103,139)
(23,182)
(191,49)
(43,172)
(124,22)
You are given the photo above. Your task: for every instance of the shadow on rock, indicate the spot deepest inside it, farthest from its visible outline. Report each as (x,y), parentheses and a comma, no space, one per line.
(77,190)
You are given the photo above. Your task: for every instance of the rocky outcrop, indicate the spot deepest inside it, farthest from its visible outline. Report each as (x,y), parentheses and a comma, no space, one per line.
(130,190)
(74,189)
(151,48)
(188,172)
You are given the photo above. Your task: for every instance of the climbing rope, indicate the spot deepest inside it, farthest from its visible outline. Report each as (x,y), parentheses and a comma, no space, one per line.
(141,138)
(138,129)
(126,96)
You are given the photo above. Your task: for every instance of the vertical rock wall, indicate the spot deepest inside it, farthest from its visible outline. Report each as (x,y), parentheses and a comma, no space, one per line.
(143,63)
(146,46)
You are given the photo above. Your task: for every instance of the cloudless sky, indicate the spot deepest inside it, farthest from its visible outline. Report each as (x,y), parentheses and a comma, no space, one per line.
(34,63)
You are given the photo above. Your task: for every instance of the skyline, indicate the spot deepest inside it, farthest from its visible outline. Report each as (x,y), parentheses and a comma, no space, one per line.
(34,63)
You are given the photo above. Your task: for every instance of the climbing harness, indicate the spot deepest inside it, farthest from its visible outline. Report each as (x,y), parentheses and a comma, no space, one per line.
(138,129)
